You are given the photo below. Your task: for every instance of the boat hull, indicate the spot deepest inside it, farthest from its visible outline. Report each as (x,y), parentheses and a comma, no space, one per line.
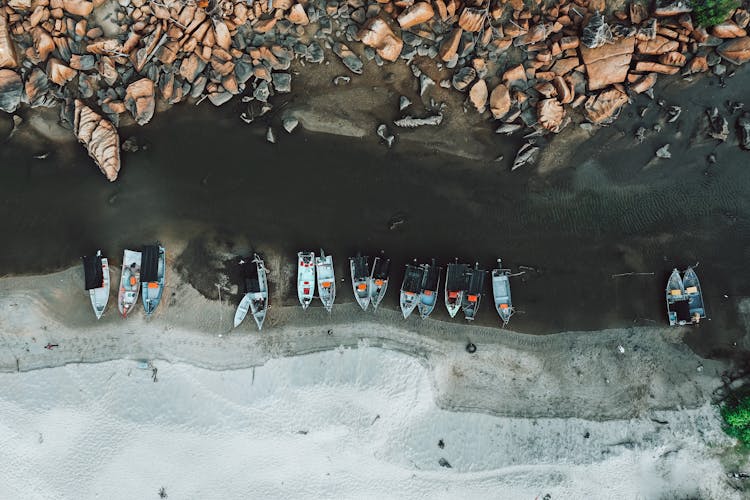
(130,282)
(305,278)
(360,286)
(242,309)
(453,305)
(501,294)
(408,303)
(677,310)
(100,296)
(326,281)
(259,300)
(378,281)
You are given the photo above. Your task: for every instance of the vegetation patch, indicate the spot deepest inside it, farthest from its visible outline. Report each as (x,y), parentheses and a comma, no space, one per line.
(709,13)
(737,419)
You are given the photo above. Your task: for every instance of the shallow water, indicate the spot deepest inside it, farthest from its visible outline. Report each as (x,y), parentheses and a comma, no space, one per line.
(207,175)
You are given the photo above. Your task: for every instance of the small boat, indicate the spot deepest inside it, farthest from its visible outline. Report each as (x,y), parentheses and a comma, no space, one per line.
(360,267)
(473,295)
(410,288)
(678,310)
(428,293)
(455,284)
(255,277)
(305,278)
(501,292)
(694,294)
(130,282)
(96,281)
(379,280)
(326,280)
(153,266)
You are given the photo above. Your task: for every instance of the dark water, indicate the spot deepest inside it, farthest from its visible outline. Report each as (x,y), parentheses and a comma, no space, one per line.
(207,176)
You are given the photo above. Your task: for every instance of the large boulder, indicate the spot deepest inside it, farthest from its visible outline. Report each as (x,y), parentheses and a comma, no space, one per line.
(139,99)
(377,34)
(449,46)
(500,101)
(602,108)
(736,51)
(7,50)
(99,137)
(478,95)
(609,63)
(11,90)
(728,29)
(657,46)
(44,45)
(550,114)
(472,18)
(58,72)
(419,13)
(78,7)
(37,88)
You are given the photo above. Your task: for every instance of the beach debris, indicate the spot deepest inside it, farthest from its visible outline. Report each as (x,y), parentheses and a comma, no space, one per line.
(620,349)
(508,128)
(743,130)
(640,135)
(663,152)
(385,134)
(349,58)
(471,348)
(526,155)
(245,117)
(444,463)
(130,145)
(412,122)
(289,123)
(396,221)
(162,492)
(596,32)
(673,113)
(718,127)
(42,156)
(342,80)
(425,82)
(270,136)
(49,347)
(711,159)
(403,103)
(441,444)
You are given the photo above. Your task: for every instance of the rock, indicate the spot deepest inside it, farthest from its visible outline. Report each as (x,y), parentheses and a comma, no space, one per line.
(672,59)
(59,73)
(377,34)
(270,136)
(514,74)
(736,51)
(419,13)
(603,107)
(36,88)
(449,47)
(743,130)
(609,63)
(663,152)
(698,64)
(282,82)
(385,134)
(537,33)
(478,95)
(526,156)
(43,43)
(191,67)
(668,8)
(403,103)
(742,18)
(718,127)
(550,114)
(673,113)
(11,90)
(728,29)
(82,63)
(500,101)
(221,32)
(107,70)
(472,19)
(139,100)
(289,124)
(412,122)
(652,67)
(564,66)
(349,58)
(565,91)
(7,49)
(645,83)
(508,128)
(219,98)
(297,15)
(657,46)
(262,92)
(80,8)
(100,139)
(342,80)
(425,82)
(596,32)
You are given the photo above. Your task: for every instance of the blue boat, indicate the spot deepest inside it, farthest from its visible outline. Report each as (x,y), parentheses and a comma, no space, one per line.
(696,308)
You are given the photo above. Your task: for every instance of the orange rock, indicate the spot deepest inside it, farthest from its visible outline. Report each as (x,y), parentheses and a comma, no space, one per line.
(377,34)
(478,95)
(514,74)
(644,83)
(566,65)
(99,137)
(728,29)
(419,13)
(58,72)
(537,33)
(7,49)
(500,101)
(222,36)
(472,19)
(139,99)
(546,89)
(673,59)
(638,13)
(43,43)
(11,90)
(106,46)
(565,91)
(657,46)
(648,67)
(569,42)
(550,114)
(265,25)
(297,15)
(442,9)
(106,68)
(736,51)
(78,7)
(449,47)
(609,63)
(602,107)
(698,64)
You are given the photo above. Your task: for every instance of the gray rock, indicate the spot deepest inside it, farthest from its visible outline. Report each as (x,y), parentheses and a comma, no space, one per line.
(385,134)
(282,82)
(403,103)
(270,136)
(289,124)
(11,90)
(315,53)
(743,130)
(718,127)
(349,58)
(262,92)
(508,128)
(425,82)
(663,152)
(463,78)
(525,156)
(342,80)
(219,98)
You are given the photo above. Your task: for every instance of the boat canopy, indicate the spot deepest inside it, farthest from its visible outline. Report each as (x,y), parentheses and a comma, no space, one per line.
(413,279)
(360,267)
(476,281)
(382,266)
(682,309)
(456,277)
(250,275)
(431,277)
(92,270)
(150,263)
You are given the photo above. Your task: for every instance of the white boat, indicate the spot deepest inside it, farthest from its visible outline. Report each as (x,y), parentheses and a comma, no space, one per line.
(359,267)
(305,278)
(379,280)
(96,277)
(455,285)
(501,292)
(694,296)
(678,311)
(473,296)
(410,288)
(153,268)
(256,292)
(428,294)
(326,280)
(130,282)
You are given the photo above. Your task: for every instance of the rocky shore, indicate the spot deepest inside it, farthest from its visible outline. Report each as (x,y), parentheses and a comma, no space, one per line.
(532,67)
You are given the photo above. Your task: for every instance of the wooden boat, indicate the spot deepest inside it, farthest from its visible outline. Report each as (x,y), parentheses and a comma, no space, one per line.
(360,267)
(501,292)
(697,310)
(473,295)
(379,280)
(428,294)
(305,278)
(326,280)
(678,310)
(455,284)
(254,274)
(410,288)
(96,281)
(130,282)
(153,267)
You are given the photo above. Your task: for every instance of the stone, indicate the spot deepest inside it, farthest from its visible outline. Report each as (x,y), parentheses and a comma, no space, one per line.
(472,19)
(221,33)
(564,66)
(536,34)
(82,62)
(698,64)
(80,8)
(7,49)
(36,89)
(463,78)
(107,69)
(728,29)
(43,43)
(603,107)
(191,67)
(736,51)
(412,122)
(609,63)
(657,46)
(58,72)
(653,67)
(99,137)
(11,90)
(564,91)
(478,95)
(514,74)
(526,155)
(419,13)
(282,82)
(742,18)
(139,100)
(289,124)
(743,130)
(377,34)
(297,15)
(449,47)
(500,101)
(673,59)
(644,83)
(550,114)
(349,58)
(663,152)
(667,8)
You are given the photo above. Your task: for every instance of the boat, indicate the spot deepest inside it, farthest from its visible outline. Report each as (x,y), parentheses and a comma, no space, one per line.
(360,267)
(305,278)
(130,282)
(379,280)
(678,310)
(455,284)
(428,293)
(473,295)
(501,292)
(697,310)
(326,280)
(410,288)
(254,274)
(96,281)
(153,266)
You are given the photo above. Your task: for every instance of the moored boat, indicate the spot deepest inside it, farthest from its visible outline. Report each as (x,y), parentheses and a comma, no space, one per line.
(473,295)
(359,267)
(501,292)
(428,294)
(326,280)
(153,268)
(694,295)
(96,281)
(410,288)
(130,281)
(455,284)
(254,275)
(379,280)
(305,278)
(678,310)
